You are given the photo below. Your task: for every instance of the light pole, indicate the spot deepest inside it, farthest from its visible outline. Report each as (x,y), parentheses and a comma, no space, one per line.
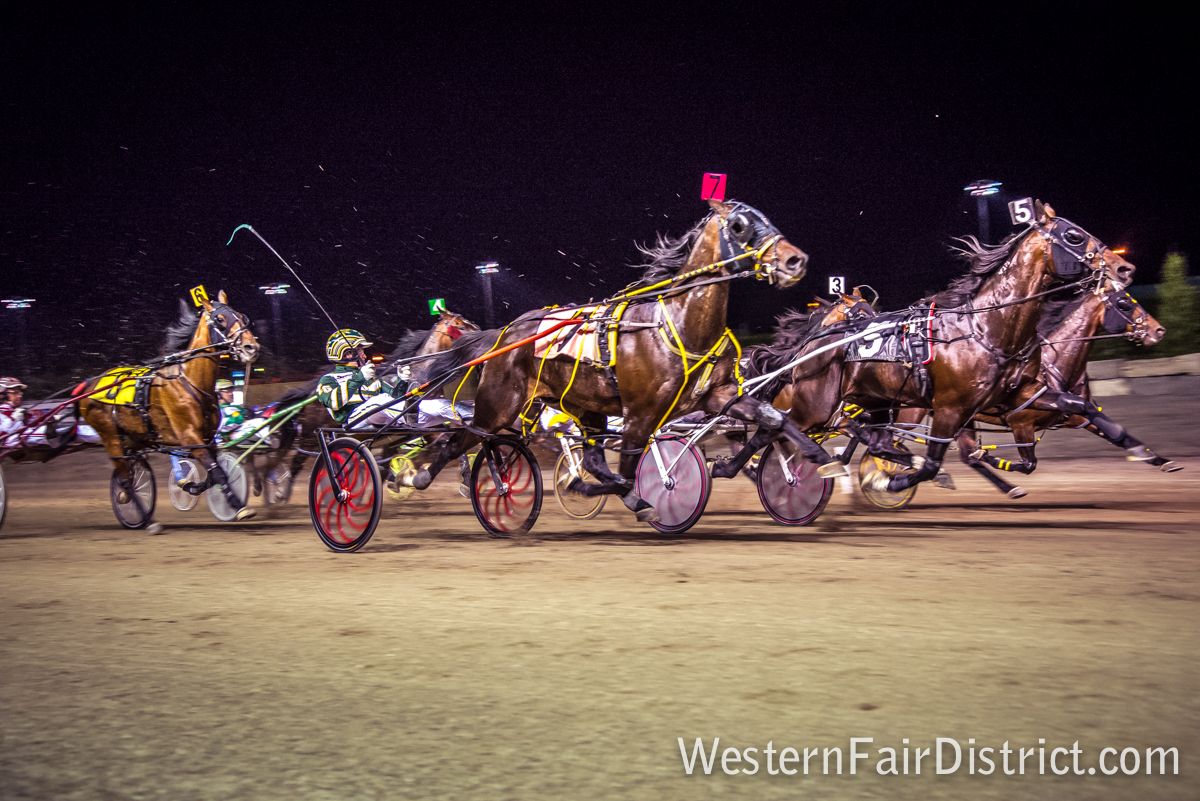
(981,190)
(20,305)
(274,291)
(485,272)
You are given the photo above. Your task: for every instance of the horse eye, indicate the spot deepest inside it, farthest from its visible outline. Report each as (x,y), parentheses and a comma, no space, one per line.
(742,228)
(1074,236)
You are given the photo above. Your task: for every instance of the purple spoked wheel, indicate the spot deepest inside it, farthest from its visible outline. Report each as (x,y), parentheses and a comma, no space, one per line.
(680,499)
(789,487)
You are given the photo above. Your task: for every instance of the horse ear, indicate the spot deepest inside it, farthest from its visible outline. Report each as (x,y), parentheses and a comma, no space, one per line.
(1043,211)
(221,297)
(720,208)
(184,309)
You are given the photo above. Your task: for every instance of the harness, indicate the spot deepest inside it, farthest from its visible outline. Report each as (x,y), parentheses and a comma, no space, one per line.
(221,341)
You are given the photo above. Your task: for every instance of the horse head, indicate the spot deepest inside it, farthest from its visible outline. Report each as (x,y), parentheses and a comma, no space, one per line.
(1124,315)
(229,327)
(452,325)
(748,240)
(1073,251)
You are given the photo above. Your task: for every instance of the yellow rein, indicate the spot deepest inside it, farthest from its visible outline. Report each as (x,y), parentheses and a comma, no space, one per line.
(757,255)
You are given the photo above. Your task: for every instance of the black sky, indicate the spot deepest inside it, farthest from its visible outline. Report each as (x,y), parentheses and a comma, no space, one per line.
(389,153)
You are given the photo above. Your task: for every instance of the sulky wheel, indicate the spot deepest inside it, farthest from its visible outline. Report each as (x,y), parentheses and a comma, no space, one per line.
(506,486)
(181,499)
(133,501)
(868,465)
(789,487)
(568,468)
(673,478)
(226,505)
(345,495)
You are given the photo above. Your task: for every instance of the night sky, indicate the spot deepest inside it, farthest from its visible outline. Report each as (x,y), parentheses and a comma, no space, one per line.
(389,154)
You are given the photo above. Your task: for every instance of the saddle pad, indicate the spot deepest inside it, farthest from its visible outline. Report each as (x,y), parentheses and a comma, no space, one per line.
(908,342)
(118,385)
(572,341)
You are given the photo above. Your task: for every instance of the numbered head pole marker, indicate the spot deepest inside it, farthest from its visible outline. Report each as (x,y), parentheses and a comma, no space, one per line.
(1021,211)
(837,284)
(199,296)
(437,306)
(712,186)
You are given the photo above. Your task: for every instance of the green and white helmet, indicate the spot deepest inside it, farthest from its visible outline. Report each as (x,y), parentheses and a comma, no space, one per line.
(342,342)
(223,384)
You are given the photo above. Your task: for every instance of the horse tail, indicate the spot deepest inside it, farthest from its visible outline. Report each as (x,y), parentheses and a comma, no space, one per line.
(471,345)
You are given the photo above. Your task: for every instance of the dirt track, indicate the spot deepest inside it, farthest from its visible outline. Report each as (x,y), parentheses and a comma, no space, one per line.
(246,661)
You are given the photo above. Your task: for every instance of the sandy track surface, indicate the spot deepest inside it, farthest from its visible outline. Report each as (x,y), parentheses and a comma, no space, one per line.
(224,661)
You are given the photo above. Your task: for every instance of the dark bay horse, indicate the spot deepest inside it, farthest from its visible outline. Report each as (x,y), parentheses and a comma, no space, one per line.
(985,332)
(178,407)
(673,354)
(1053,391)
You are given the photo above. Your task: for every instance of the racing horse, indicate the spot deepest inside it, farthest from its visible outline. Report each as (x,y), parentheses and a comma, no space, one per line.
(671,353)
(172,407)
(982,331)
(1053,390)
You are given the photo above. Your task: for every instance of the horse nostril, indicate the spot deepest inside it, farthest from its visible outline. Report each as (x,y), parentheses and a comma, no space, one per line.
(796,263)
(1160,332)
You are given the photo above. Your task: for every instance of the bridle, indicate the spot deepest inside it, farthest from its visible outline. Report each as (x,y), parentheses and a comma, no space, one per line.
(232,334)
(747,234)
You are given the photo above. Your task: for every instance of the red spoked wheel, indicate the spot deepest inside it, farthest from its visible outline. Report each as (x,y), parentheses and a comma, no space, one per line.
(506,487)
(789,487)
(346,518)
(679,496)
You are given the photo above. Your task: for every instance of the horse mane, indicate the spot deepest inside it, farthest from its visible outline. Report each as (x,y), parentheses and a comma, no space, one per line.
(982,261)
(668,254)
(180,332)
(793,329)
(410,343)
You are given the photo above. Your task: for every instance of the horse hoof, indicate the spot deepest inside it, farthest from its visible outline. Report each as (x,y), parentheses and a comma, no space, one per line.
(464,490)
(945,481)
(878,481)
(245,513)
(647,515)
(834,469)
(1171,467)
(422,479)
(155,528)
(1017,492)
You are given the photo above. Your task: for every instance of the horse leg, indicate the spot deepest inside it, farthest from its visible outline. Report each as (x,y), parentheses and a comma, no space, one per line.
(975,457)
(633,446)
(945,423)
(217,481)
(595,460)
(772,423)
(1086,413)
(1110,430)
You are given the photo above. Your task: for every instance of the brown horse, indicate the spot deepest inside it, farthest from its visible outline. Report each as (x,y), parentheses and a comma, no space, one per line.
(406,363)
(673,352)
(1053,390)
(985,326)
(174,407)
